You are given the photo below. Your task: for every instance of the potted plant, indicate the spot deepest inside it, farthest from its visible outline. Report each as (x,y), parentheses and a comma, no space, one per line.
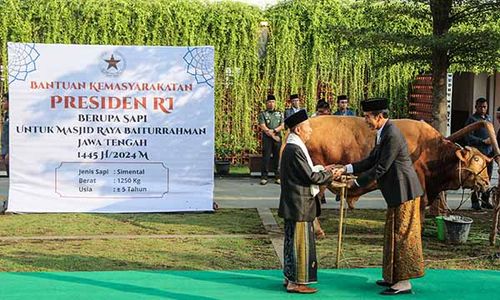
(222,162)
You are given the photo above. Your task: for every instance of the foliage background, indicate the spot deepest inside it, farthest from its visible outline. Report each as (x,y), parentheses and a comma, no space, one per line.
(311,47)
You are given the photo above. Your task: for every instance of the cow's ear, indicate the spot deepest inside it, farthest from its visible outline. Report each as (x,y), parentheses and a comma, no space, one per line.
(463,154)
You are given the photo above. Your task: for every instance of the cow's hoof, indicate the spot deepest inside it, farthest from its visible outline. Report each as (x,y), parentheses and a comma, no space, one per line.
(320,234)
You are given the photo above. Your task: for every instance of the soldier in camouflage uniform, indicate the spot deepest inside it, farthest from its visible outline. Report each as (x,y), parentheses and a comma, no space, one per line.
(271,124)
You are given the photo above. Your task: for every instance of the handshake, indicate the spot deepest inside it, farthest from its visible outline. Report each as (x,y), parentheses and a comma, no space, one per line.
(337,171)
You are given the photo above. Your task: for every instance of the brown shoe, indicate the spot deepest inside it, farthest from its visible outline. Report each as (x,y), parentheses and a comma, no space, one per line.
(301,289)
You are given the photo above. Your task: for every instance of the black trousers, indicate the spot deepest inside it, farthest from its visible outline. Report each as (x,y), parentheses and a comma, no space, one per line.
(270,147)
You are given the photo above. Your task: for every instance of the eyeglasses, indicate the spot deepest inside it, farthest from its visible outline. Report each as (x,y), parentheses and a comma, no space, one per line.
(343,101)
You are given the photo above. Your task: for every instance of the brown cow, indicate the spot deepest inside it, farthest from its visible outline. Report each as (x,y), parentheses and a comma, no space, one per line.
(440,164)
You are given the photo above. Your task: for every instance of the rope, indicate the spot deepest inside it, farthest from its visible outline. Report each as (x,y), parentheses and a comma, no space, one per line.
(461,182)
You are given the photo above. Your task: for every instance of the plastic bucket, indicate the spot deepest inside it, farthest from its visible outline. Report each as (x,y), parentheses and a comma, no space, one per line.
(457,229)
(440,227)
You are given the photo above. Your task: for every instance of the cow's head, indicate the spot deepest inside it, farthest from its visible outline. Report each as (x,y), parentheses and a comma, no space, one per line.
(472,169)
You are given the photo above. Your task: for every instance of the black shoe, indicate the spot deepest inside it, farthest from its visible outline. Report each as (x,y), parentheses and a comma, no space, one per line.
(383,283)
(323,200)
(337,198)
(391,291)
(476,206)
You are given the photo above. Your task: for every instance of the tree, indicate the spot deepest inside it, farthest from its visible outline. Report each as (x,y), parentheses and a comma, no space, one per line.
(463,35)
(444,35)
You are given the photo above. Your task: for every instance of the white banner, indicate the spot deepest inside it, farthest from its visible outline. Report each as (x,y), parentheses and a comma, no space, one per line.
(110,128)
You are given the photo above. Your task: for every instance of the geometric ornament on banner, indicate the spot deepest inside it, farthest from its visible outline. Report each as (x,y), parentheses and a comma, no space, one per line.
(200,64)
(21,61)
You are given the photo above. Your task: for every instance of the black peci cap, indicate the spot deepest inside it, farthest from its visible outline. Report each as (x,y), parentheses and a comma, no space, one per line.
(296,118)
(374,104)
(341,97)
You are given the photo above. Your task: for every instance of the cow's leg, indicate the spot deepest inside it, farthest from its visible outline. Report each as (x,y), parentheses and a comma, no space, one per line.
(496,214)
(332,189)
(321,194)
(494,228)
(424,200)
(438,205)
(318,231)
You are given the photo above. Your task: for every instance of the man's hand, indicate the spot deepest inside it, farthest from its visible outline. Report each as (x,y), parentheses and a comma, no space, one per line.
(333,166)
(487,141)
(337,172)
(271,134)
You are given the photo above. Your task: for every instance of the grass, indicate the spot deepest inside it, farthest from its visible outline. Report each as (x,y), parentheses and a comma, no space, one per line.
(363,240)
(362,244)
(148,253)
(239,170)
(225,221)
(180,253)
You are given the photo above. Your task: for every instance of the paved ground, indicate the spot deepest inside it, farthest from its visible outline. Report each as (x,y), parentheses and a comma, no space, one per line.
(246,192)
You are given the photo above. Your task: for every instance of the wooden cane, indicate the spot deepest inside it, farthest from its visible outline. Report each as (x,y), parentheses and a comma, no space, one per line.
(343,189)
(341,222)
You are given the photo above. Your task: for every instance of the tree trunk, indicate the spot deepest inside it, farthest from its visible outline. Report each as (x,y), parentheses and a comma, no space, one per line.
(441,23)
(439,71)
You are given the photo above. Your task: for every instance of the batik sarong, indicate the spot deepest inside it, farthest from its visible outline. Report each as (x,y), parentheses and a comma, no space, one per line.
(403,258)
(300,263)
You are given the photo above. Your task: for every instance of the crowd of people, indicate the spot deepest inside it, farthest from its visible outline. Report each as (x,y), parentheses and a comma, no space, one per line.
(272,123)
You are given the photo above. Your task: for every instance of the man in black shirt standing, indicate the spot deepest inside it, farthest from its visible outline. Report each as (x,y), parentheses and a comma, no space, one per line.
(481,140)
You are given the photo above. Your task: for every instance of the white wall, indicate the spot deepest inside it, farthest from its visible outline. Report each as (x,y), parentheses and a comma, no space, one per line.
(480,90)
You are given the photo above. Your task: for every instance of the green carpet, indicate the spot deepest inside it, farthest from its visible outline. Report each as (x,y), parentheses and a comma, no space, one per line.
(204,285)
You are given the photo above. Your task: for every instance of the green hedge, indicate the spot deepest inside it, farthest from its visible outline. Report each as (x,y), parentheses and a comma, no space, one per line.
(311,43)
